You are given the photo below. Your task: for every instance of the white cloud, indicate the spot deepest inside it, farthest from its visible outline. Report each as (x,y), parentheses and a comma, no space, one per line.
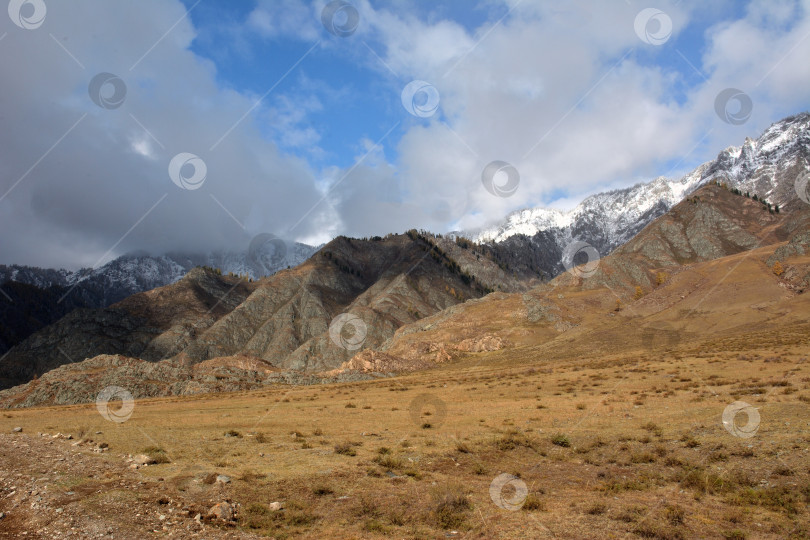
(106,173)
(567,93)
(575,100)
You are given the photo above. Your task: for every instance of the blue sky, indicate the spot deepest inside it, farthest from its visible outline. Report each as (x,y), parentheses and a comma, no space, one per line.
(304,134)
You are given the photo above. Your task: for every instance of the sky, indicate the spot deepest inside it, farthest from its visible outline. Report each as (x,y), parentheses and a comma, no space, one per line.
(195,125)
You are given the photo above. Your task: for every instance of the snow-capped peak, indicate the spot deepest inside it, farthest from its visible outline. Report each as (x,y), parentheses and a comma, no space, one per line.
(614,217)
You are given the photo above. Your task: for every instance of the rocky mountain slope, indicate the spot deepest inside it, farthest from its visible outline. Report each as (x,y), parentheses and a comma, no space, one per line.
(706,264)
(286,321)
(51,294)
(608,220)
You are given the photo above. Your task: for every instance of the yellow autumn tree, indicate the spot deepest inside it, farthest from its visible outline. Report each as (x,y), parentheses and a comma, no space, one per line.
(777,268)
(660,278)
(639,292)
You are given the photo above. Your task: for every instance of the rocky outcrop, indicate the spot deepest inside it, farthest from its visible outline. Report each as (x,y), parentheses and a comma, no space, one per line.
(83,382)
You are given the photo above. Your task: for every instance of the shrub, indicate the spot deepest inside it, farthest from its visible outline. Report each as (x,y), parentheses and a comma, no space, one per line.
(533,503)
(597,509)
(561,440)
(157,453)
(345,449)
(451,508)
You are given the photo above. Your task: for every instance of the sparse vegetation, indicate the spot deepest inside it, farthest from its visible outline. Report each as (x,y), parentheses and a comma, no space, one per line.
(345,449)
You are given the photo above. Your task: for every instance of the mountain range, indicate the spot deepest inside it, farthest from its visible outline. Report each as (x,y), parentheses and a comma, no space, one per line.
(764,166)
(409,301)
(34,297)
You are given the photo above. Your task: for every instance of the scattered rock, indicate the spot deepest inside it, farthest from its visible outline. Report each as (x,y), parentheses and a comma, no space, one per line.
(223,511)
(276,506)
(101,447)
(17,430)
(223,479)
(143,459)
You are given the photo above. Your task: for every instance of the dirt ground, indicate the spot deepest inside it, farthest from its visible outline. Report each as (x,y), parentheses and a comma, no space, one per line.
(52,489)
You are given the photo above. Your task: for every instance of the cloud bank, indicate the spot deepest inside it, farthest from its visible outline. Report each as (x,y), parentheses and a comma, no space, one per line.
(573,97)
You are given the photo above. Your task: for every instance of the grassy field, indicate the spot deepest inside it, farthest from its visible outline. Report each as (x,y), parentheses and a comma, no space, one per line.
(610,447)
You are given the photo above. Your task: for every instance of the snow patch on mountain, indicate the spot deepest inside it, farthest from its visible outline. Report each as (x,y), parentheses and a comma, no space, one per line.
(760,166)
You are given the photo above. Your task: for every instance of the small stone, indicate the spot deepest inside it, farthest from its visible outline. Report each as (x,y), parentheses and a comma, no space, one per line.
(17,430)
(223,511)
(2,515)
(223,479)
(276,506)
(143,459)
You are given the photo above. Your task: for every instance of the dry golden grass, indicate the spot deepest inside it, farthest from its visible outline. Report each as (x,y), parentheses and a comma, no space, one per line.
(647,455)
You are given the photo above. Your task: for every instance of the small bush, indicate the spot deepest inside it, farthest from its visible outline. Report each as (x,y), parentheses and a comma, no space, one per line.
(320,491)
(561,440)
(597,509)
(533,503)
(675,515)
(345,449)
(463,448)
(451,508)
(157,453)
